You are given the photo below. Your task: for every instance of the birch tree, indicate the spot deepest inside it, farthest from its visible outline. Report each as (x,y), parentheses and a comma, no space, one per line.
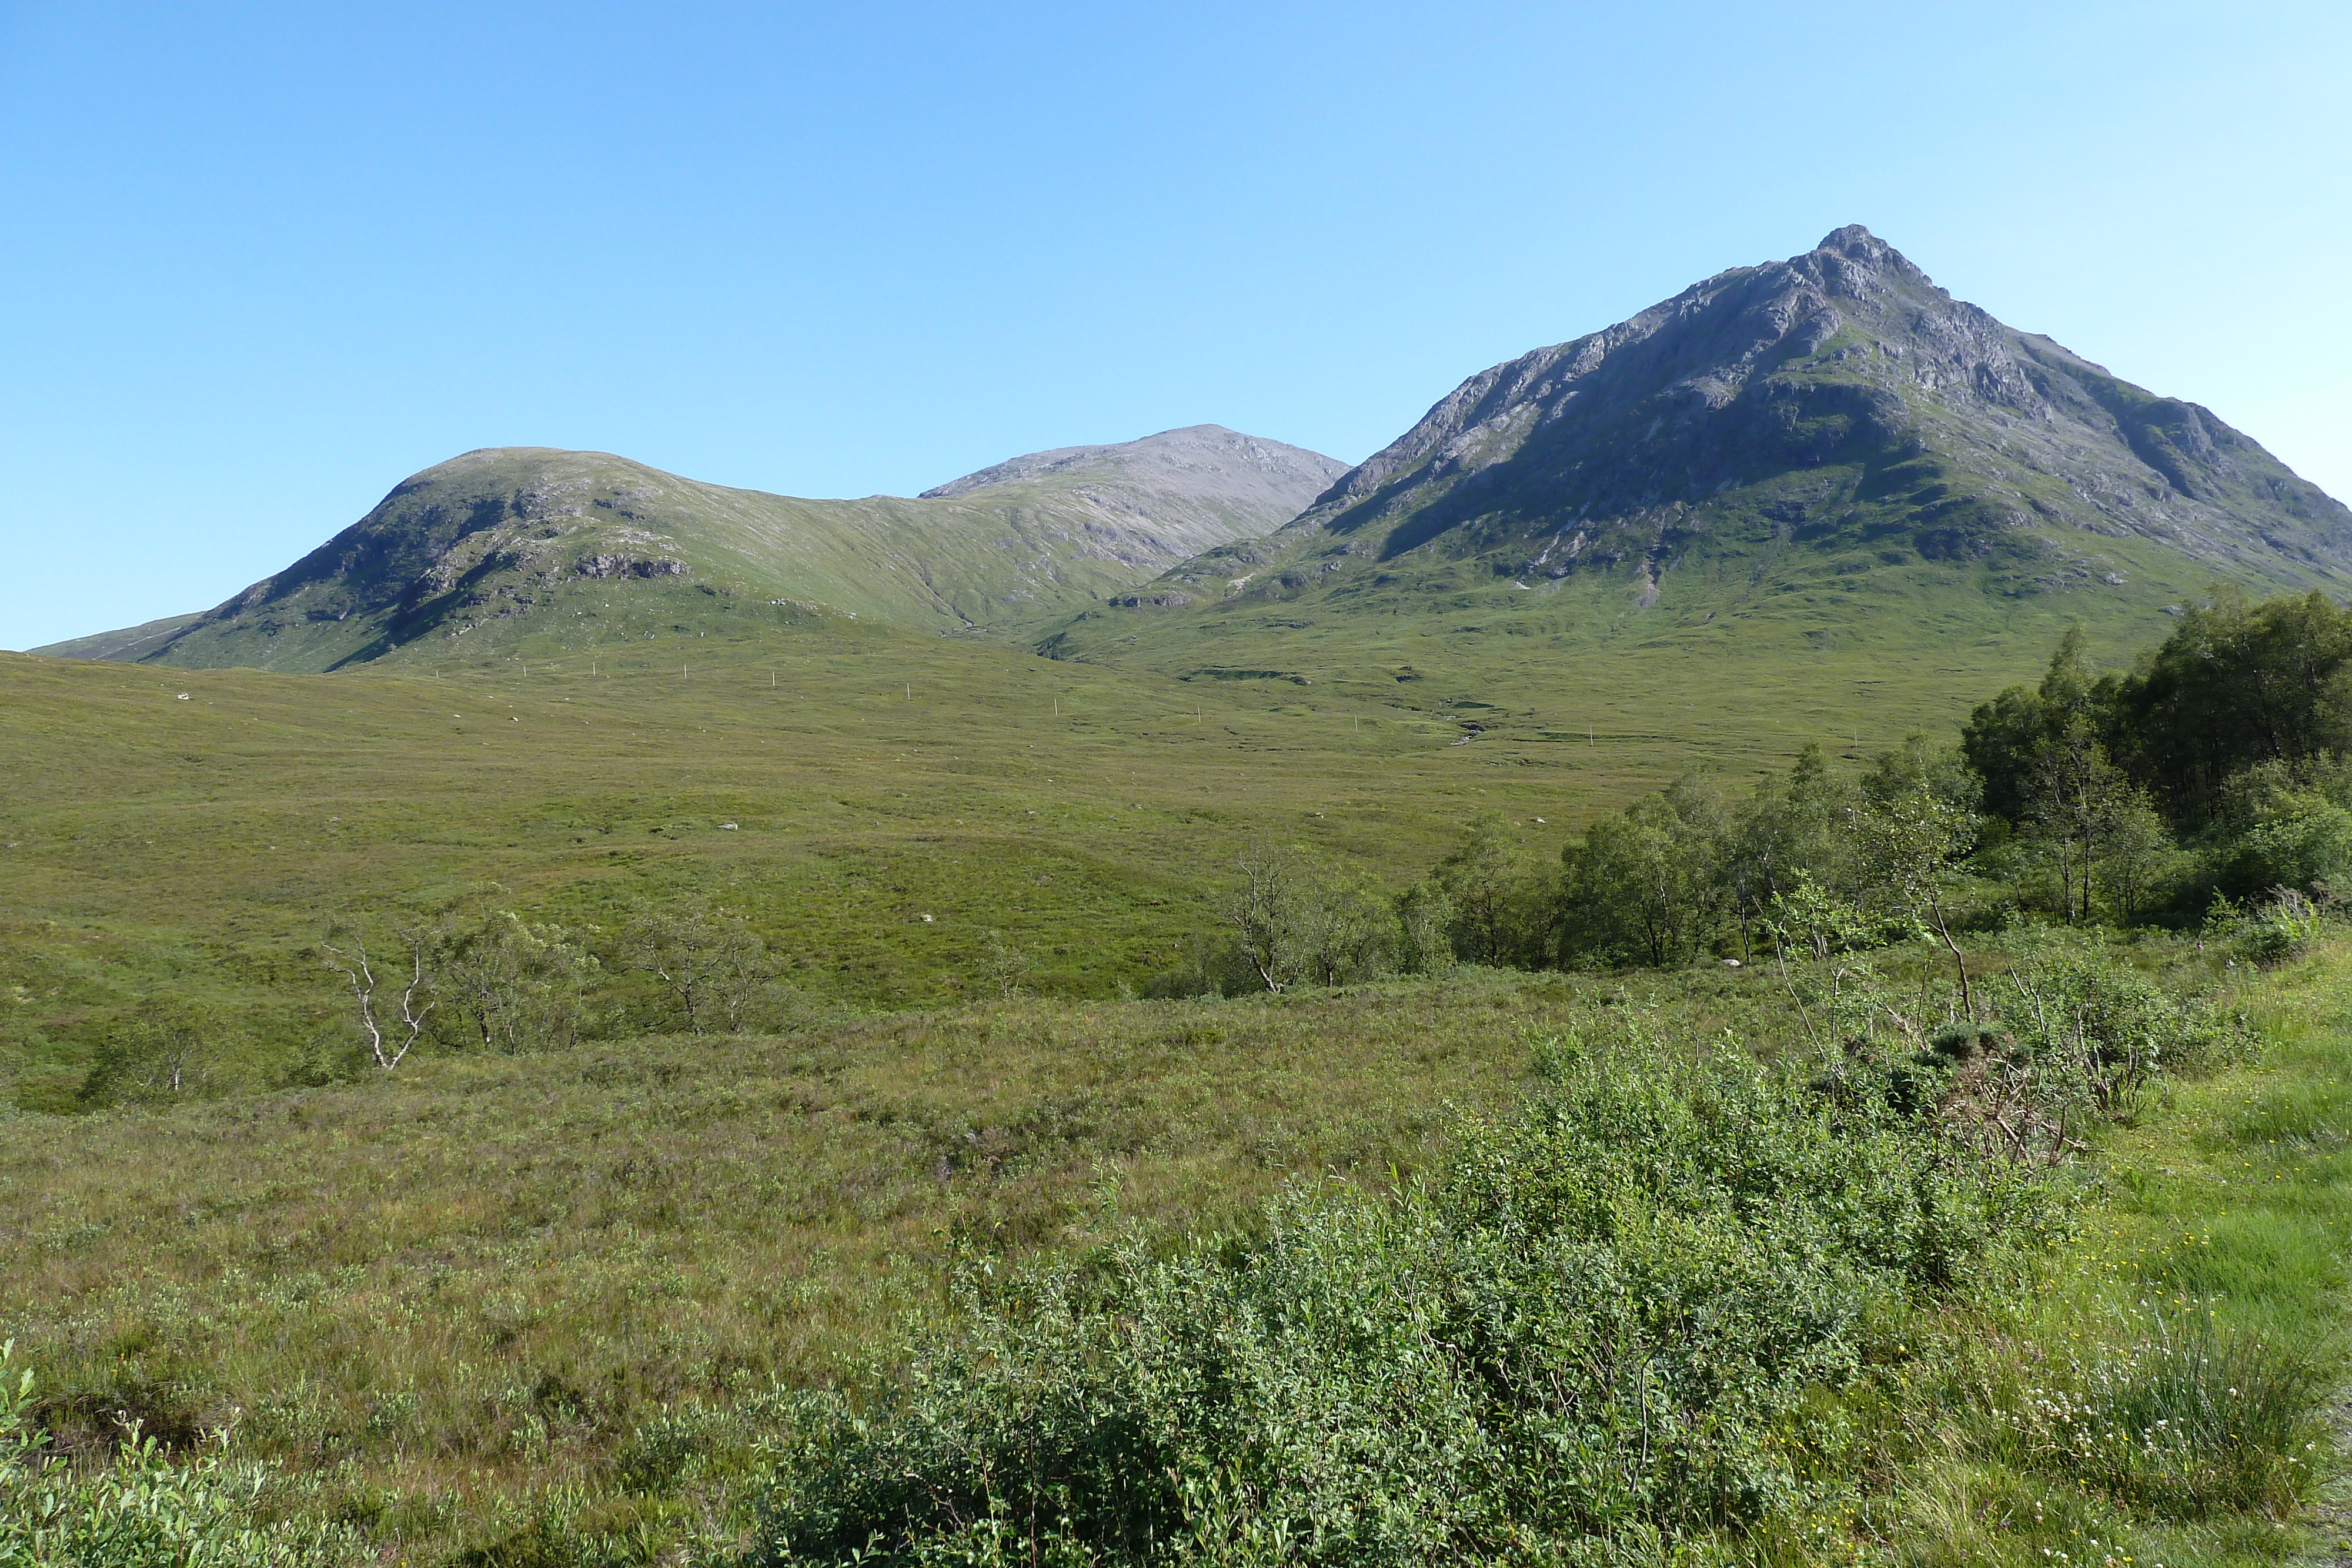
(160,1053)
(713,969)
(392,1009)
(514,986)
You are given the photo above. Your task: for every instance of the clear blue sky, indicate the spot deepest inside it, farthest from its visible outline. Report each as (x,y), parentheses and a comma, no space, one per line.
(259,262)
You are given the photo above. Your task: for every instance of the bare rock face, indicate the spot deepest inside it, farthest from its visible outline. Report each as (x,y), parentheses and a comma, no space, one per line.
(1203,460)
(1921,417)
(1189,489)
(609,566)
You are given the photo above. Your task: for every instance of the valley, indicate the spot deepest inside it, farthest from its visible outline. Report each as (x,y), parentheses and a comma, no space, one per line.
(1091,1015)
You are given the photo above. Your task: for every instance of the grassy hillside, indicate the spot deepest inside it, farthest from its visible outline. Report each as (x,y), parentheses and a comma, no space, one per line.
(128,644)
(578,545)
(1729,645)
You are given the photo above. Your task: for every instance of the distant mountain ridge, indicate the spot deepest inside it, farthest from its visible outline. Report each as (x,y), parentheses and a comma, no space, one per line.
(499,539)
(1824,455)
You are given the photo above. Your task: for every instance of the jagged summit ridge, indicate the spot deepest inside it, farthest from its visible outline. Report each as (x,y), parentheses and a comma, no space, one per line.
(1846,354)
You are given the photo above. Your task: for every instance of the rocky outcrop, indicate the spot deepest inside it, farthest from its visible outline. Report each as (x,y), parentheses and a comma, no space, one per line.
(606,566)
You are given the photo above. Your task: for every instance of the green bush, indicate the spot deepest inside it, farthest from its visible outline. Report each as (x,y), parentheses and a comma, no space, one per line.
(2083,1005)
(1611,1315)
(144,1510)
(2269,931)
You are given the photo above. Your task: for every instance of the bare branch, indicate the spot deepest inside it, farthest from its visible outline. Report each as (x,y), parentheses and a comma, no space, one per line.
(358,971)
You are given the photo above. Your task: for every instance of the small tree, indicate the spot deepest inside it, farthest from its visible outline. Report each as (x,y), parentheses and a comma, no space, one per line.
(2134,854)
(517,986)
(714,968)
(2073,794)
(1425,916)
(1911,843)
(1263,911)
(1344,929)
(1004,965)
(390,1028)
(1501,895)
(1817,922)
(1653,883)
(1296,922)
(161,1052)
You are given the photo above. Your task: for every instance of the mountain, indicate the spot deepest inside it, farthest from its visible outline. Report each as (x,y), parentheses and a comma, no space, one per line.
(526,545)
(1825,452)
(130,643)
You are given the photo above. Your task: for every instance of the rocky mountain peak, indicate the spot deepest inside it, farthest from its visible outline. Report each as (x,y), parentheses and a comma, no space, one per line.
(1200,459)
(1858,246)
(1846,365)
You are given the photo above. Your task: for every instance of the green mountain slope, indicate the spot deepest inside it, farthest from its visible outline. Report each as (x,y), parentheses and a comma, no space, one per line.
(128,644)
(1792,476)
(565,550)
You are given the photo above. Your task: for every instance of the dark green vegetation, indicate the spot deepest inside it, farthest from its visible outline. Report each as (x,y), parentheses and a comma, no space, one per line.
(1674,1295)
(2206,785)
(2231,735)
(585,1306)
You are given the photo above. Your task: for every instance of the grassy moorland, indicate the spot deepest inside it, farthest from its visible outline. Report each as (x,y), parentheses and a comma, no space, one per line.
(870,781)
(547,1309)
(481,1277)
(960,1261)
(151,844)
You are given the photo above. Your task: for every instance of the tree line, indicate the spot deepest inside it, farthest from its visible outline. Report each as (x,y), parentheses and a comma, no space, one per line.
(2213,777)
(1808,856)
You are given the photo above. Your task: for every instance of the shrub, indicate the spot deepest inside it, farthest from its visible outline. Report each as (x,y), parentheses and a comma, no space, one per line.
(163,1050)
(145,1510)
(512,987)
(2079,1038)
(2111,1024)
(2270,931)
(1605,1320)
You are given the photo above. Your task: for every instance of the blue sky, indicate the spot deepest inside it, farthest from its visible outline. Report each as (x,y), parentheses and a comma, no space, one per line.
(261,261)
